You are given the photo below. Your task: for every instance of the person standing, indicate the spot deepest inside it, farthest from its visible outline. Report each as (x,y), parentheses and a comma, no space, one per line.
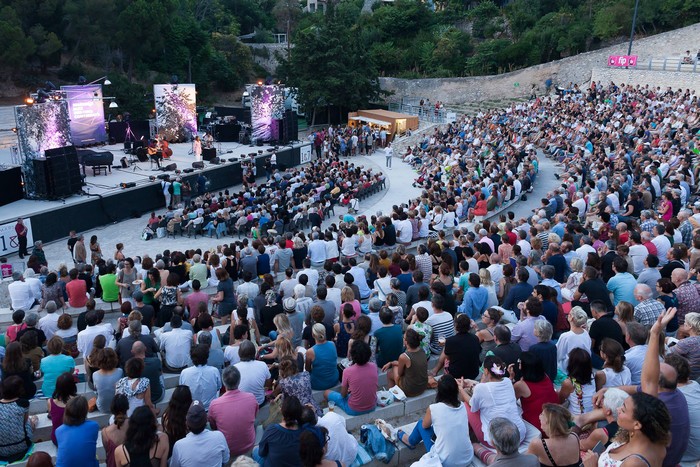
(79,251)
(166,184)
(22,231)
(389,153)
(197,148)
(72,240)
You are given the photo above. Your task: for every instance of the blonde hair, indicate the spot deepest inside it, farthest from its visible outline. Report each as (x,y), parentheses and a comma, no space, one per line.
(284,348)
(557,419)
(347,295)
(578,316)
(485,277)
(282,323)
(576,264)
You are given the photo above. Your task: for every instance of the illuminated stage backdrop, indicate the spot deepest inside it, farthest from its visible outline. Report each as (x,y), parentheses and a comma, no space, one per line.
(87,115)
(267,105)
(40,127)
(176,111)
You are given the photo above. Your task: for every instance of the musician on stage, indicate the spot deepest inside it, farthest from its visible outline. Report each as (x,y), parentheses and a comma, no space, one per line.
(154,154)
(208,140)
(164,147)
(197,148)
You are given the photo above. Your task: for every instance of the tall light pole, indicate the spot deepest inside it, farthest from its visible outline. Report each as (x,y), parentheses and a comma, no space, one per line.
(634,25)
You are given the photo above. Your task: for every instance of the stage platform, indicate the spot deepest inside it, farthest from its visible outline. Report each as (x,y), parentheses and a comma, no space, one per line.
(104,201)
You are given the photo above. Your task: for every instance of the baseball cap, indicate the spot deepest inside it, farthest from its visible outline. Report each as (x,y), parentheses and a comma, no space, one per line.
(196,416)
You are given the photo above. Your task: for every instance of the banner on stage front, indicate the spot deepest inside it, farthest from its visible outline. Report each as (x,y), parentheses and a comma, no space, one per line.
(87,114)
(305,154)
(176,111)
(9,243)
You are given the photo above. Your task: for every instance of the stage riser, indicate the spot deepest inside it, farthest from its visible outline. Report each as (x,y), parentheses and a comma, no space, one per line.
(99,211)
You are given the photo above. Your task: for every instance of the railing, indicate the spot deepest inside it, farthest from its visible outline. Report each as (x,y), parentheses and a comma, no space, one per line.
(428,114)
(668,64)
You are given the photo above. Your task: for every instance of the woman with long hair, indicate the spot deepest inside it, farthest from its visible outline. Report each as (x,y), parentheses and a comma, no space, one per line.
(65,390)
(16,426)
(150,285)
(363,327)
(175,415)
(644,434)
(15,364)
(624,313)
(614,372)
(292,382)
(115,434)
(446,421)
(534,388)
(313,444)
(144,445)
(506,282)
(170,296)
(578,388)
(95,251)
(561,446)
(489,285)
(135,386)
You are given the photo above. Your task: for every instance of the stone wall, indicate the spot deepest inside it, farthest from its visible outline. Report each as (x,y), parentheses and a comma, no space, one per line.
(265,55)
(577,69)
(674,79)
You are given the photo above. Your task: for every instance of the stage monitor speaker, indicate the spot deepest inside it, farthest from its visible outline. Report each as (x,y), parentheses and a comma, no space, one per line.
(170,167)
(163,177)
(188,170)
(208,153)
(198,165)
(233,159)
(215,161)
(127,146)
(142,154)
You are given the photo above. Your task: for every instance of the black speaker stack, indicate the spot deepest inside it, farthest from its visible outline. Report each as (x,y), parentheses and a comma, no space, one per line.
(198,165)
(208,153)
(58,174)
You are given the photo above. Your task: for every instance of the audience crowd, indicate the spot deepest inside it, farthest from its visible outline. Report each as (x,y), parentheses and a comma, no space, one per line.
(568,337)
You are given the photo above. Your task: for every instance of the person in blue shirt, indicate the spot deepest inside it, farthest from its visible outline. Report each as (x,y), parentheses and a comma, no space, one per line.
(475,299)
(622,284)
(77,437)
(519,292)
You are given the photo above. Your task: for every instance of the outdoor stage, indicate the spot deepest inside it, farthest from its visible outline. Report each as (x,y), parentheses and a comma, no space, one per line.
(105,202)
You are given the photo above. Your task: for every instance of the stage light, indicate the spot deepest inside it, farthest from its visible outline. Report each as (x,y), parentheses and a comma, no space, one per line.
(14,130)
(50,86)
(107,82)
(113,105)
(29,100)
(260,82)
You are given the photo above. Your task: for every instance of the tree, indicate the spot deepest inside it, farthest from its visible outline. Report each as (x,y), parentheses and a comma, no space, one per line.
(17,45)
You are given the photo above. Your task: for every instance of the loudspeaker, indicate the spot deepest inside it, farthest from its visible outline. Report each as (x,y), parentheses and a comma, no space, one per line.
(128,185)
(163,177)
(197,165)
(291,127)
(172,166)
(233,159)
(208,153)
(124,163)
(142,154)
(62,172)
(188,170)
(127,146)
(215,161)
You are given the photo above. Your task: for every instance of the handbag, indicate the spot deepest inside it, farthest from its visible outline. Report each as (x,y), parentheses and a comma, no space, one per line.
(275,415)
(384,398)
(429,459)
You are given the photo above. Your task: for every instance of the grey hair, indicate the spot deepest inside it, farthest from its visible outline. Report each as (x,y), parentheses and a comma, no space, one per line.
(548,271)
(375,304)
(31,318)
(543,330)
(395,283)
(576,264)
(319,331)
(613,399)
(693,320)
(135,328)
(505,436)
(231,377)
(204,337)
(51,306)
(578,315)
(643,291)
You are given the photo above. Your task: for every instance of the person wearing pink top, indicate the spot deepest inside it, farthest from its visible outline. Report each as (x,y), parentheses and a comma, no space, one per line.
(358,392)
(193,300)
(233,414)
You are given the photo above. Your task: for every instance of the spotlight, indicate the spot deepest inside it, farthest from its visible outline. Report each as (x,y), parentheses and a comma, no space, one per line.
(82,81)
(113,105)
(29,100)
(49,86)
(14,130)
(107,82)
(260,82)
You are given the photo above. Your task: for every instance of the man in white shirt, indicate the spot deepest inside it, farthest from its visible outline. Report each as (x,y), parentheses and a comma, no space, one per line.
(34,283)
(358,274)
(21,295)
(311,274)
(93,329)
(341,445)
(317,251)
(201,447)
(254,373)
(638,252)
(333,293)
(382,286)
(525,247)
(404,230)
(203,380)
(580,203)
(585,248)
(176,346)
(49,323)
(287,285)
(661,243)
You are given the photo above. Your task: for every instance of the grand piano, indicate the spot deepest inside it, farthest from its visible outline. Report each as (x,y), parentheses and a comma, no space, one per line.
(99,161)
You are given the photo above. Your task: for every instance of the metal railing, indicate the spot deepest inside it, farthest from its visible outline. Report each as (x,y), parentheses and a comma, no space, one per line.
(667,64)
(425,113)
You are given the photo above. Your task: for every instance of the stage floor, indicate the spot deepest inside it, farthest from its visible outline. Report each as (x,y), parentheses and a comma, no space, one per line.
(106,185)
